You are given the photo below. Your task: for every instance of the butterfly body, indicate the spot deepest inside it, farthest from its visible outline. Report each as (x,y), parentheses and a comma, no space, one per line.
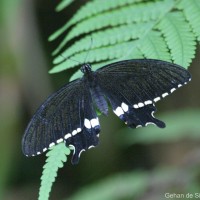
(131,87)
(91,82)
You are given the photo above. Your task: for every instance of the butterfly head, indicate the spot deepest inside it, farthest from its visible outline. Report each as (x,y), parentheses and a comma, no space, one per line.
(86,68)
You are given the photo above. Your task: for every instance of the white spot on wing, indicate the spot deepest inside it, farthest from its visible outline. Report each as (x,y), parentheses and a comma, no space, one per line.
(135,106)
(138,126)
(72,147)
(92,146)
(68,135)
(118,111)
(87,123)
(78,130)
(157,99)
(52,144)
(149,123)
(172,90)
(94,122)
(74,132)
(44,149)
(179,85)
(38,153)
(152,114)
(140,104)
(59,140)
(148,102)
(164,95)
(81,152)
(124,107)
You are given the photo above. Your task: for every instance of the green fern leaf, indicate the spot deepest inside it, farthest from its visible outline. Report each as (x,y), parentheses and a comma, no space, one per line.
(134,13)
(136,53)
(89,11)
(154,46)
(63,4)
(113,36)
(179,37)
(101,54)
(56,157)
(191,10)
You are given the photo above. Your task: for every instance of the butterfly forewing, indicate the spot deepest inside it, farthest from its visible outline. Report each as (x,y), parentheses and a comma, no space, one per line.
(67,115)
(143,81)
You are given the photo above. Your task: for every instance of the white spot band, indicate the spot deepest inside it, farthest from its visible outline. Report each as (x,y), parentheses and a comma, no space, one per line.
(118,111)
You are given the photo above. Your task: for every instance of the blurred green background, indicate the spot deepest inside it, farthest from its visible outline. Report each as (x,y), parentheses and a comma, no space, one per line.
(128,164)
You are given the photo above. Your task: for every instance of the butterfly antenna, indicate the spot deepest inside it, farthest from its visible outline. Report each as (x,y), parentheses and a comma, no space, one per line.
(91,43)
(70,59)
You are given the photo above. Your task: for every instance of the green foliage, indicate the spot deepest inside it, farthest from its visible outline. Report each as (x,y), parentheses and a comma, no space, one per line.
(63,4)
(165,30)
(88,11)
(191,10)
(56,157)
(179,38)
(121,186)
(160,29)
(180,125)
(122,15)
(139,184)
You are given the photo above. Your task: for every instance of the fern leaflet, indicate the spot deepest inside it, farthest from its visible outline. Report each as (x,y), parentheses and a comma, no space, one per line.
(191,10)
(56,157)
(135,13)
(88,11)
(179,38)
(63,4)
(113,36)
(154,46)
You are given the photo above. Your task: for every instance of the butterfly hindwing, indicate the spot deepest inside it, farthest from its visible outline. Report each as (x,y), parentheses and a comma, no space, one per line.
(91,128)
(123,108)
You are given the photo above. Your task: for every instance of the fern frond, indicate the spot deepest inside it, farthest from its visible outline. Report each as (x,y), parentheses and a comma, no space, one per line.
(154,46)
(116,35)
(179,37)
(63,4)
(56,157)
(90,9)
(136,53)
(191,10)
(101,54)
(133,13)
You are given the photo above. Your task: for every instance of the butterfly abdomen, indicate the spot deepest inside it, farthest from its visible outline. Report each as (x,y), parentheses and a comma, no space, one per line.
(97,95)
(99,99)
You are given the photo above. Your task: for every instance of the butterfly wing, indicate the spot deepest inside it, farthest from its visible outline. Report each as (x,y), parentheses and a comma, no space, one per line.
(133,86)
(64,116)
(88,137)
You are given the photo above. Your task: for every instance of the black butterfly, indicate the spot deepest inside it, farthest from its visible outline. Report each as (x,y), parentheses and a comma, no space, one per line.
(131,87)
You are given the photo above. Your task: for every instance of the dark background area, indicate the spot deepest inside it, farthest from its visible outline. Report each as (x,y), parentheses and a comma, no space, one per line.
(25,58)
